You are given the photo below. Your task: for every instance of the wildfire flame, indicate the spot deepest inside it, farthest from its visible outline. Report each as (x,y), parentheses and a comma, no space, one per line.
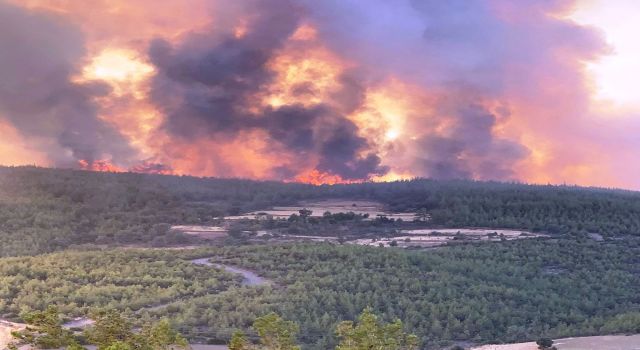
(316,177)
(146,167)
(99,165)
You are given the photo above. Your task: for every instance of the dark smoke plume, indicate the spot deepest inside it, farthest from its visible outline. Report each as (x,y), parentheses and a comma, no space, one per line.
(207,90)
(39,53)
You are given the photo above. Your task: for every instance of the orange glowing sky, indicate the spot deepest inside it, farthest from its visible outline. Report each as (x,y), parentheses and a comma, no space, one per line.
(577,124)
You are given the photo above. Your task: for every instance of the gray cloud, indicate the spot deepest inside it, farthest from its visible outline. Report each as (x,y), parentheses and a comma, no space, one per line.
(39,54)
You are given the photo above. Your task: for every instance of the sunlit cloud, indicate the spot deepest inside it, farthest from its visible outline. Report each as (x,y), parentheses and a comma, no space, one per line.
(616,75)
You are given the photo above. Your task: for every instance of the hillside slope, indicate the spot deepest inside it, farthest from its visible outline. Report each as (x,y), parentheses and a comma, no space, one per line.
(44,210)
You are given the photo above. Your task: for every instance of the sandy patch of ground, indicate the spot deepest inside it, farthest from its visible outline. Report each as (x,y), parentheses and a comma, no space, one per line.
(436,237)
(313,238)
(518,346)
(79,322)
(423,241)
(207,232)
(208,347)
(144,247)
(318,209)
(606,342)
(6,328)
(473,232)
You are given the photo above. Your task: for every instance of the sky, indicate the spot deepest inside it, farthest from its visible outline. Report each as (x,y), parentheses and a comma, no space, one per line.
(535,91)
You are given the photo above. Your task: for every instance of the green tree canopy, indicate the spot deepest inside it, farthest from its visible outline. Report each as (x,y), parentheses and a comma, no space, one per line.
(276,333)
(370,333)
(44,330)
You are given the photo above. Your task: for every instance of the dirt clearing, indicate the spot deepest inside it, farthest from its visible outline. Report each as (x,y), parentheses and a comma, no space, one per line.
(206,232)
(605,342)
(318,208)
(6,328)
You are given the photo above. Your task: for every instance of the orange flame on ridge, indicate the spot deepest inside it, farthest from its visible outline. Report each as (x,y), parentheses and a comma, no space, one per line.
(317,177)
(99,165)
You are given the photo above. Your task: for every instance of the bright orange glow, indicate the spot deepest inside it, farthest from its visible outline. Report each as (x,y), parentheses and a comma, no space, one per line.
(392,176)
(305,78)
(386,109)
(121,68)
(128,107)
(248,156)
(14,150)
(99,165)
(316,177)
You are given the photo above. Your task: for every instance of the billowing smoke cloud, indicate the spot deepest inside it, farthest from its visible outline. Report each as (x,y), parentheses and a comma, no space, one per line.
(473,55)
(209,87)
(320,91)
(39,55)
(458,51)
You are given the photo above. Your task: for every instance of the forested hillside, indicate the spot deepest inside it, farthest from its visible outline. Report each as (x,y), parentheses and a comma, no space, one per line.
(43,210)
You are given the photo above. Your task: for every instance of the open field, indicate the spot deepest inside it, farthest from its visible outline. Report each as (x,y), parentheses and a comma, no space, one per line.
(472,232)
(205,232)
(426,238)
(606,342)
(318,208)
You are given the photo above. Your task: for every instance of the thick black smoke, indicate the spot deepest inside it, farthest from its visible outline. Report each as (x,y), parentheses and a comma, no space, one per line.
(469,148)
(207,86)
(39,54)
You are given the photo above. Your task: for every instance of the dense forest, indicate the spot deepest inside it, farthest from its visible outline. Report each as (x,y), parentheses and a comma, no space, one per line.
(505,291)
(43,210)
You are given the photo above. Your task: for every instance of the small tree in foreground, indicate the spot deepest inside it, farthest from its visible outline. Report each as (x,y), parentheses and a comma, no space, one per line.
(545,344)
(239,341)
(370,333)
(110,329)
(276,333)
(161,336)
(44,330)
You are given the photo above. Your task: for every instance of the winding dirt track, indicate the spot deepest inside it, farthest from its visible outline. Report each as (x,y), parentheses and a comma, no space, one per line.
(251,279)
